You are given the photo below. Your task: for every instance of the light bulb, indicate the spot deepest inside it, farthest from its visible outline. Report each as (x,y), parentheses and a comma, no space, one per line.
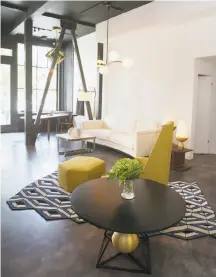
(127,62)
(100,63)
(103,70)
(113,56)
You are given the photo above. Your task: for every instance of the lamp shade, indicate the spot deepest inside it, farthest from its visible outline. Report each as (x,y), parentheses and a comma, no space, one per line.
(182,130)
(83,96)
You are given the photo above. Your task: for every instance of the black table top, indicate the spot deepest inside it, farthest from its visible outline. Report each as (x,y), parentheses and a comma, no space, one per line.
(154,208)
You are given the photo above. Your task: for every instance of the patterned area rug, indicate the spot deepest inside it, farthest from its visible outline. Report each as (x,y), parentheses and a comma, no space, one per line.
(199,220)
(46,198)
(53,203)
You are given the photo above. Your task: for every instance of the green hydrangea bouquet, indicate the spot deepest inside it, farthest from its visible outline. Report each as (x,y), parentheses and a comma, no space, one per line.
(125,169)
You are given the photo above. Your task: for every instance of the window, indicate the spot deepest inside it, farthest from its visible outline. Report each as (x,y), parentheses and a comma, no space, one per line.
(40,70)
(5,52)
(5,96)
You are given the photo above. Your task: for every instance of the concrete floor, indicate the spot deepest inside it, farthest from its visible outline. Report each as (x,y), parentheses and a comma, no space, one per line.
(33,247)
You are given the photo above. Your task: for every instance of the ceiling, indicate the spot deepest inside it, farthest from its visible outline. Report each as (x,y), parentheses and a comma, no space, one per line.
(159,14)
(8,15)
(69,9)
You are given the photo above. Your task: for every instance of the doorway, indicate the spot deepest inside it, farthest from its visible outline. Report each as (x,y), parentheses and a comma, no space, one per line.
(204,106)
(203,115)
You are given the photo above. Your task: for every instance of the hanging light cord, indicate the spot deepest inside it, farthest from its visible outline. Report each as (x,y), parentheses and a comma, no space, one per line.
(108,12)
(56,39)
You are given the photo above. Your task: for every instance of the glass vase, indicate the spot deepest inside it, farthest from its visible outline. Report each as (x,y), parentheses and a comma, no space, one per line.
(128,192)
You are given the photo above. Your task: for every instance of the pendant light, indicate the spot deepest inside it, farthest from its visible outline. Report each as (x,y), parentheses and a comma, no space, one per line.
(50,54)
(113,56)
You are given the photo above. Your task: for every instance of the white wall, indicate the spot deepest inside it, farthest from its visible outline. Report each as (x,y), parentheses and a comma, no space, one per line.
(160,85)
(88,52)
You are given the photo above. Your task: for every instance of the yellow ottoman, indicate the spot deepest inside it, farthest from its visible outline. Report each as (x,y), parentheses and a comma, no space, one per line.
(79,170)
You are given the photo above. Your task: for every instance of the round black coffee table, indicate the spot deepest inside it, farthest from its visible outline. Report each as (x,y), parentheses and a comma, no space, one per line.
(154,208)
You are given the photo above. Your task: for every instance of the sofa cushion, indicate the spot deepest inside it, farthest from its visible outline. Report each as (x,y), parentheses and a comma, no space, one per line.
(119,124)
(124,139)
(103,134)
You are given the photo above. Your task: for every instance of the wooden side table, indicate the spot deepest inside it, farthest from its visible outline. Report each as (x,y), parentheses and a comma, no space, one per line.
(178,159)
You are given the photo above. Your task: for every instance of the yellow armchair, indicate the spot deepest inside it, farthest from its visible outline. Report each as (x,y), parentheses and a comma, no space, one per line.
(157,165)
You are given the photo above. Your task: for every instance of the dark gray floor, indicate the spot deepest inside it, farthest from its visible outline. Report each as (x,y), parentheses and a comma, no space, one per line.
(34,247)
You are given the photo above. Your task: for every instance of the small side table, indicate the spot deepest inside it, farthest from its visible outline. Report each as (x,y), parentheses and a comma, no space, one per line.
(178,159)
(67,138)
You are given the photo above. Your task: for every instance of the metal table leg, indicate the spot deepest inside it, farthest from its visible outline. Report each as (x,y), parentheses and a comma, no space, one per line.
(65,147)
(48,128)
(142,263)
(83,144)
(88,150)
(93,145)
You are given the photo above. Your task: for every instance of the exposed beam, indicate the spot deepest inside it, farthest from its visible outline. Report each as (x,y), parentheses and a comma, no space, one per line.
(19,38)
(36,9)
(49,77)
(14,86)
(69,19)
(76,48)
(28,81)
(13,6)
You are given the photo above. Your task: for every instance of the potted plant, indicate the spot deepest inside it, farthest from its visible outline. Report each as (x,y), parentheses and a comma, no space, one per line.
(126,170)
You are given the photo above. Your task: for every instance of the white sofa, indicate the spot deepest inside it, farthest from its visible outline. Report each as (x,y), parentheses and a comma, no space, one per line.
(130,137)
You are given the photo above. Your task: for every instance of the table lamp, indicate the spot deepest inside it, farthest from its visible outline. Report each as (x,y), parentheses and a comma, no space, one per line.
(90,96)
(181,134)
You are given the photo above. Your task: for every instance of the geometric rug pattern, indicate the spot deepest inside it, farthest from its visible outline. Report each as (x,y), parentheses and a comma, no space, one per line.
(50,201)
(199,220)
(47,198)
